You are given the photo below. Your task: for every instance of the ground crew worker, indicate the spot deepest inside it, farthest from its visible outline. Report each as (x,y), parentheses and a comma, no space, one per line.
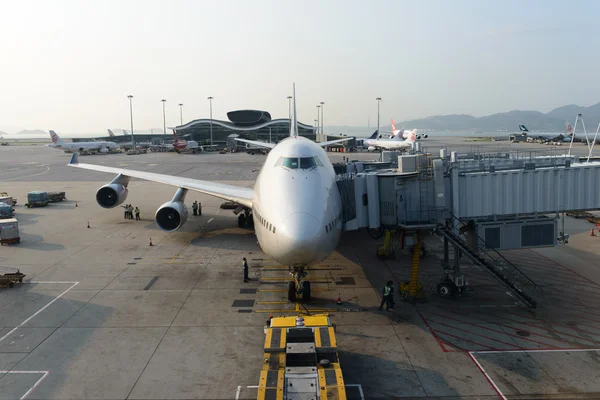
(388,297)
(195,208)
(199,208)
(126,207)
(137,214)
(245,265)
(130,210)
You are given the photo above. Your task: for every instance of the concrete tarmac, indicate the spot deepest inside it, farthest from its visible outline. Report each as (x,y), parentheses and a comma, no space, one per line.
(104,315)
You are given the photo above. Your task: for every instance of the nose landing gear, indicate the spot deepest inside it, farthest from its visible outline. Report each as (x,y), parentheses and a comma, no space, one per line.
(299,287)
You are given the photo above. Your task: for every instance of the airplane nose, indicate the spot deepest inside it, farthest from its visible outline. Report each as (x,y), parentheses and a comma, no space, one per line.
(297,237)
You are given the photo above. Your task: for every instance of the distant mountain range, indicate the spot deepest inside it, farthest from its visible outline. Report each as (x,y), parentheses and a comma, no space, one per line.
(554,121)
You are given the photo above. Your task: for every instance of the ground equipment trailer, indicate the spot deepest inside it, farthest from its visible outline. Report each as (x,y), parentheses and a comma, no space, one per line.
(301,360)
(10,279)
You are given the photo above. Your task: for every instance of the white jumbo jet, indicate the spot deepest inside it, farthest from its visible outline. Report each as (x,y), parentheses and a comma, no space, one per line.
(395,143)
(295,205)
(102,147)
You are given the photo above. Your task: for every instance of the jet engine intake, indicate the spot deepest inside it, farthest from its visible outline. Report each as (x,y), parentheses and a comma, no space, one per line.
(171,216)
(111,195)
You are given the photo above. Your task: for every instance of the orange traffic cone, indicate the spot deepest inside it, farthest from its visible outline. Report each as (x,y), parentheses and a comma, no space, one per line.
(339,300)
(592,232)
(88,224)
(150,242)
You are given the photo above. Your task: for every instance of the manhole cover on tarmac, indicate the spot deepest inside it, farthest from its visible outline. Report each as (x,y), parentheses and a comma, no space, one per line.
(243,303)
(523,333)
(248,291)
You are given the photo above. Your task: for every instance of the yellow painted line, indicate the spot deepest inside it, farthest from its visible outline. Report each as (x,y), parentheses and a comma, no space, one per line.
(268,338)
(269,267)
(297,306)
(280,384)
(323,389)
(271,302)
(275,279)
(318,338)
(271,290)
(174,257)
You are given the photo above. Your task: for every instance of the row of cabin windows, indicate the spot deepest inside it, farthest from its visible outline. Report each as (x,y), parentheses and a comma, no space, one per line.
(338,220)
(299,162)
(270,227)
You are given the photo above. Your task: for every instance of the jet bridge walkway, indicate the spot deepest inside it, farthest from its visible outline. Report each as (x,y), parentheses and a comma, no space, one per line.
(490,259)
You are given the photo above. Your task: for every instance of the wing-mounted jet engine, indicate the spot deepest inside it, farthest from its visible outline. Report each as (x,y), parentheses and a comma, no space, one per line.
(114,193)
(173,214)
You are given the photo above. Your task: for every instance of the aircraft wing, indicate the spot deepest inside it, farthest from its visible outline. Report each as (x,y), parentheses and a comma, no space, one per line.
(257,143)
(237,194)
(323,144)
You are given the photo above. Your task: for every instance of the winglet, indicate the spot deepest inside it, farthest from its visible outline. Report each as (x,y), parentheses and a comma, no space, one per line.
(74,159)
(294,121)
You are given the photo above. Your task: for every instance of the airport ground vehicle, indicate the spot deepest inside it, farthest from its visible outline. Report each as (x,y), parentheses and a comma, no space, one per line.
(9,231)
(10,279)
(301,359)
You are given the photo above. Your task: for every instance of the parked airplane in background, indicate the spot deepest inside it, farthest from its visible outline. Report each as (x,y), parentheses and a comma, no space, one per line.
(110,133)
(93,147)
(406,133)
(295,205)
(185,145)
(395,143)
(550,138)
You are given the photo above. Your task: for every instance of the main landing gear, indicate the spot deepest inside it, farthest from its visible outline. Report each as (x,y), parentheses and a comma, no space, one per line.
(245,219)
(299,287)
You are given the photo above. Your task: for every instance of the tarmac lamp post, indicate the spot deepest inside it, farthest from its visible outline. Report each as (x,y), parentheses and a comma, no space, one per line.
(180,113)
(164,117)
(131,116)
(318,117)
(378,102)
(211,135)
(322,125)
(316,125)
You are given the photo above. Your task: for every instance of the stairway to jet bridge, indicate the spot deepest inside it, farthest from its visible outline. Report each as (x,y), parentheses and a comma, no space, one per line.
(494,262)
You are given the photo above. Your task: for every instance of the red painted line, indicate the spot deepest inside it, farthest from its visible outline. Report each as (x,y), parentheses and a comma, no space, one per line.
(477,334)
(506,333)
(437,339)
(547,329)
(565,267)
(466,340)
(574,308)
(487,378)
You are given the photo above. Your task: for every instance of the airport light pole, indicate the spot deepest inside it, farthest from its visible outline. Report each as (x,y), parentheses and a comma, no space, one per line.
(180,114)
(164,117)
(322,125)
(378,102)
(211,136)
(316,125)
(131,117)
(289,108)
(318,116)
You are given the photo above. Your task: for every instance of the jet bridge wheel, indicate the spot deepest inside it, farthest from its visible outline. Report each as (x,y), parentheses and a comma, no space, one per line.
(446,289)
(306,291)
(292,291)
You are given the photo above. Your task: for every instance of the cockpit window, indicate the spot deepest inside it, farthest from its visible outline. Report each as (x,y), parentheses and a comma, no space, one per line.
(291,163)
(302,162)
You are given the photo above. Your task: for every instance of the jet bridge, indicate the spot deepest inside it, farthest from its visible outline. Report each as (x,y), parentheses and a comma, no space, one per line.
(479,203)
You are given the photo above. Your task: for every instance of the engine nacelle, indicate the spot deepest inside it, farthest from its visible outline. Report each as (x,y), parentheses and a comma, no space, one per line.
(371,148)
(171,216)
(104,150)
(111,195)
(425,136)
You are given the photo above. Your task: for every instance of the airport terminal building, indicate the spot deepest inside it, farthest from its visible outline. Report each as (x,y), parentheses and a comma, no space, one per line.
(248,124)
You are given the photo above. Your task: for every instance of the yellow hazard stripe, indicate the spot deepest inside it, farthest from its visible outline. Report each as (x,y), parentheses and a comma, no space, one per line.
(332,342)
(280,383)
(262,384)
(340,382)
(282,341)
(268,338)
(322,386)
(317,337)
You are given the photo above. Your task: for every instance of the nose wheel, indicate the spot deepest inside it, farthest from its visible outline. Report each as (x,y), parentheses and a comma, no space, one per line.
(299,288)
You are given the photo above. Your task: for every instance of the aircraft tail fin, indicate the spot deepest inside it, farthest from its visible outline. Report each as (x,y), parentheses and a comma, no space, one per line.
(55,138)
(110,133)
(294,121)
(374,135)
(523,128)
(175,135)
(393,125)
(412,137)
(125,132)
(569,128)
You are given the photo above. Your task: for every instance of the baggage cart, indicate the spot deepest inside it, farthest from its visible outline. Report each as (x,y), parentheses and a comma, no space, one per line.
(6,211)
(55,197)
(5,198)
(37,199)
(10,279)
(9,231)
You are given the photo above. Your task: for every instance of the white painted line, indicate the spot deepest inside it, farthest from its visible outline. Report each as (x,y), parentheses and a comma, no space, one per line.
(490,380)
(29,176)
(532,351)
(237,393)
(41,309)
(360,389)
(210,220)
(35,385)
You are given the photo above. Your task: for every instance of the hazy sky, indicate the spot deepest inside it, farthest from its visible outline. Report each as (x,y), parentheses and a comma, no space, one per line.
(69,65)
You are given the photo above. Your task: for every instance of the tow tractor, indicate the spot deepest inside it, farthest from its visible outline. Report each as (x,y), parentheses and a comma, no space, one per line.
(299,287)
(301,360)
